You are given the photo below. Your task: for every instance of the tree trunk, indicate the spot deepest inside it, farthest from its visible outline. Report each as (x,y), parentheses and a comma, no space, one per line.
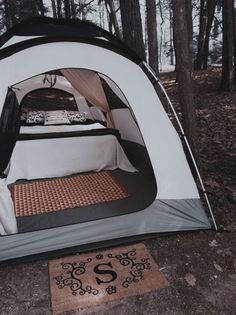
(101,14)
(67,9)
(54,10)
(189,29)
(132,26)
(73,9)
(171,36)
(59,8)
(181,38)
(81,11)
(8,14)
(235,45)
(210,16)
(202,35)
(227,82)
(112,17)
(145,34)
(207,12)
(34,8)
(41,7)
(152,35)
(162,21)
(175,49)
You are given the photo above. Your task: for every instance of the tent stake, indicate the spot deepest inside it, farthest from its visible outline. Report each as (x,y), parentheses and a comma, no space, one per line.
(185,139)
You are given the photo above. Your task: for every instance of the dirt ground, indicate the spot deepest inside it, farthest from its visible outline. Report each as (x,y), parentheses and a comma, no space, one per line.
(200,266)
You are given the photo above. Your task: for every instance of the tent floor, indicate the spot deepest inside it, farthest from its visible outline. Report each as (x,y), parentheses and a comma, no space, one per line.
(141,187)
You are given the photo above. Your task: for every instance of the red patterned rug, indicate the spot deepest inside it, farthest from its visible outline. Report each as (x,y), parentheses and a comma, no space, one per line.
(51,195)
(79,282)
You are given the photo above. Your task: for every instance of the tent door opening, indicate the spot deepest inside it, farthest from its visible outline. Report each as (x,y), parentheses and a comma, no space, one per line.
(75,159)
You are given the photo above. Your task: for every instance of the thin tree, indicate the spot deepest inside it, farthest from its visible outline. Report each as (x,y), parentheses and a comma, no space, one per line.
(8,14)
(234,20)
(152,35)
(67,10)
(54,9)
(162,21)
(101,15)
(73,8)
(112,19)
(175,49)
(207,11)
(41,7)
(83,8)
(202,34)
(210,14)
(171,35)
(59,8)
(189,26)
(227,78)
(132,26)
(184,69)
(33,7)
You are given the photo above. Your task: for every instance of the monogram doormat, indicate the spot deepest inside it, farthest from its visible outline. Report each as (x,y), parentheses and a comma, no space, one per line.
(90,279)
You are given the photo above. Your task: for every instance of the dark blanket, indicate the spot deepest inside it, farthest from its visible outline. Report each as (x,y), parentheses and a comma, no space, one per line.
(84,133)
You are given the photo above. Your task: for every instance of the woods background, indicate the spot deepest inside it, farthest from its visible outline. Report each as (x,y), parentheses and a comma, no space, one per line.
(180,35)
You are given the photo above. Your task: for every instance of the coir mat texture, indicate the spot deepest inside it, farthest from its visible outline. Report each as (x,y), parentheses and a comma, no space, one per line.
(85,280)
(42,196)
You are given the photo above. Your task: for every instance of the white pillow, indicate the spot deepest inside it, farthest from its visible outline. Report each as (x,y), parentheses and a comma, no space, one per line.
(76,116)
(56,117)
(35,117)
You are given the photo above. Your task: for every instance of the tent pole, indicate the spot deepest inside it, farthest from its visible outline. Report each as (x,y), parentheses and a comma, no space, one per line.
(157,80)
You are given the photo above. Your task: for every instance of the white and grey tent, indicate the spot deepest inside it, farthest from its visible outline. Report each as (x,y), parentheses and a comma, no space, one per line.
(124,132)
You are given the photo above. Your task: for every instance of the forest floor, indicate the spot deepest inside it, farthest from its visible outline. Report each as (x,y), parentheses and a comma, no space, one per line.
(216,113)
(200,266)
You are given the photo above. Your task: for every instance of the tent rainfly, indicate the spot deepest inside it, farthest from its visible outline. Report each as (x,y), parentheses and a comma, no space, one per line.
(118,164)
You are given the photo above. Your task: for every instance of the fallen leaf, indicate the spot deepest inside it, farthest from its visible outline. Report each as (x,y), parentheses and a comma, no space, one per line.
(190,279)
(213,243)
(162,268)
(229,227)
(212,183)
(224,252)
(218,267)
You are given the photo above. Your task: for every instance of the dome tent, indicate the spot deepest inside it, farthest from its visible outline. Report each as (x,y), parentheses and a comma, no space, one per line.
(35,48)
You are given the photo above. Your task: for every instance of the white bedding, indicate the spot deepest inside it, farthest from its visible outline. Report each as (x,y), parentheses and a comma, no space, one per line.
(7,215)
(46,158)
(60,128)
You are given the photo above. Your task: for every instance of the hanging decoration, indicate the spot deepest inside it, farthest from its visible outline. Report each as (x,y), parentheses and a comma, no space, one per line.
(50,78)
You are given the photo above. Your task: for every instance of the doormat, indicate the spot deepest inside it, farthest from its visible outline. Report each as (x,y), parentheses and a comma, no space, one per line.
(78,282)
(52,195)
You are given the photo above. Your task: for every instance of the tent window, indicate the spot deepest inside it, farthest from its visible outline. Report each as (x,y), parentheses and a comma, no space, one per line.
(48,99)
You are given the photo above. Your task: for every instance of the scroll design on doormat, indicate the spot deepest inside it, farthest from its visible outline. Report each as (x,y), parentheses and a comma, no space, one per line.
(111,289)
(99,256)
(74,270)
(137,268)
